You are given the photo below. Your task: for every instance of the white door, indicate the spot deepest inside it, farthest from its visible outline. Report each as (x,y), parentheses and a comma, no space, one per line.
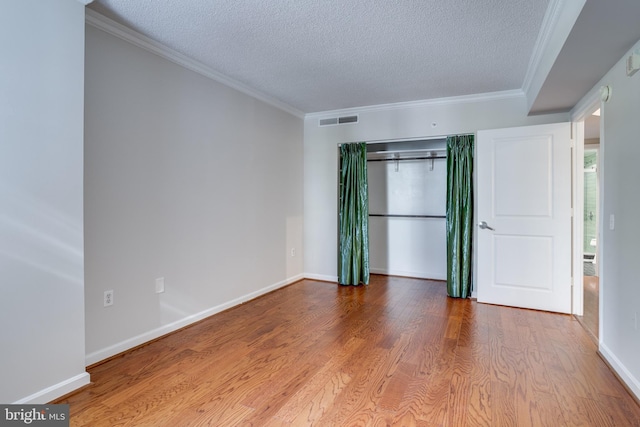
(524,195)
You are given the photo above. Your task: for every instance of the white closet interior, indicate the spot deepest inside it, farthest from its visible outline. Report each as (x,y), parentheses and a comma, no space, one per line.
(407,207)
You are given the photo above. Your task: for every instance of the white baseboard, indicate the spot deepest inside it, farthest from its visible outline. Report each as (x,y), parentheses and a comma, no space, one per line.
(55,391)
(132,342)
(430,276)
(631,382)
(322,277)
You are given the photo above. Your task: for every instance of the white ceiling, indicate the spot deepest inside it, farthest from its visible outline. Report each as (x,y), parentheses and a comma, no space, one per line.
(320,55)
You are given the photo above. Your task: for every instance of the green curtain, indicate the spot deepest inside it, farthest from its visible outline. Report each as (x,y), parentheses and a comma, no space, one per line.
(459,215)
(353,257)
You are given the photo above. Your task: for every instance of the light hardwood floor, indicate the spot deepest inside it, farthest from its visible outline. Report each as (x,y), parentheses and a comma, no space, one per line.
(590,316)
(397,352)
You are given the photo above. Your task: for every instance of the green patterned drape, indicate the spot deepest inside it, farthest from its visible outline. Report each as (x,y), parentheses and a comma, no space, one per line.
(459,215)
(353,256)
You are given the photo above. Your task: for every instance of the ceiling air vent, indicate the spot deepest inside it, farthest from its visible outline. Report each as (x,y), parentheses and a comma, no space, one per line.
(338,121)
(347,119)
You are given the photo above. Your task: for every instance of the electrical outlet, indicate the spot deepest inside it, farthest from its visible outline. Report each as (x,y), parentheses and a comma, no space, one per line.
(293,251)
(108,298)
(159,285)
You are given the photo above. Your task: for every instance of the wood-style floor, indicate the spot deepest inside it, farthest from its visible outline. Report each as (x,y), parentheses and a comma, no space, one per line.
(590,312)
(395,353)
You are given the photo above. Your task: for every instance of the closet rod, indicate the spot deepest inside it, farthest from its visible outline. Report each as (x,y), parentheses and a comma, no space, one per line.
(408,216)
(406,158)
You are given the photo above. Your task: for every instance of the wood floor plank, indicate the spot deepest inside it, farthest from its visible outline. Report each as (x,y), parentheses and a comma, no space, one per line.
(202,416)
(572,404)
(355,405)
(398,352)
(544,411)
(394,392)
(319,404)
(503,412)
(428,397)
(480,402)
(459,390)
(622,410)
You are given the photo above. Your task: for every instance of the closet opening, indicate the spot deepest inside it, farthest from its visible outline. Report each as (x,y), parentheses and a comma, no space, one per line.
(407,183)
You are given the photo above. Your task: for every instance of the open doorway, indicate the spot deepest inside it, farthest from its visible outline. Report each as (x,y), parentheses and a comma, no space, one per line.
(591,223)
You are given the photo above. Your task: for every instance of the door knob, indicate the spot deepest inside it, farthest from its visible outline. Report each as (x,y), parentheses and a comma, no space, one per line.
(483,225)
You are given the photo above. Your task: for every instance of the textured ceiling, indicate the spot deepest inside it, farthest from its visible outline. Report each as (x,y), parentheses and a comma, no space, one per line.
(319,55)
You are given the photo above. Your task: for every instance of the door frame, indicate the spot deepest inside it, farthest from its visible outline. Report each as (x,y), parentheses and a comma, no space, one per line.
(577,204)
(578,116)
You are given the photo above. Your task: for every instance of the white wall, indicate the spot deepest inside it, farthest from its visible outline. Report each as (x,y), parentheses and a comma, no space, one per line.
(41,222)
(414,120)
(620,174)
(185,179)
(405,246)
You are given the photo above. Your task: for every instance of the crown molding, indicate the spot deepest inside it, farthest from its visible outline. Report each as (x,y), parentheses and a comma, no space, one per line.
(114,28)
(548,23)
(463,99)
(85,2)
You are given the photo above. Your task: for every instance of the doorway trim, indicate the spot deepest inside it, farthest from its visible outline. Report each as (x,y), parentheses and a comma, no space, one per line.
(577,204)
(578,116)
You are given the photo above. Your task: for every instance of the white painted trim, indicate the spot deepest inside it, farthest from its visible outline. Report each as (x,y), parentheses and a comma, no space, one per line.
(464,99)
(578,114)
(577,302)
(549,21)
(85,2)
(601,227)
(110,26)
(322,277)
(587,105)
(130,343)
(631,382)
(411,274)
(557,24)
(55,391)
(474,234)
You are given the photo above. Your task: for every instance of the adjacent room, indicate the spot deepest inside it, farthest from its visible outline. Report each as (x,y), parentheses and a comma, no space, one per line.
(175,243)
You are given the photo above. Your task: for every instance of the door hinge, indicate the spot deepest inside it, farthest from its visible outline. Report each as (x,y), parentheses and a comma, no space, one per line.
(572,144)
